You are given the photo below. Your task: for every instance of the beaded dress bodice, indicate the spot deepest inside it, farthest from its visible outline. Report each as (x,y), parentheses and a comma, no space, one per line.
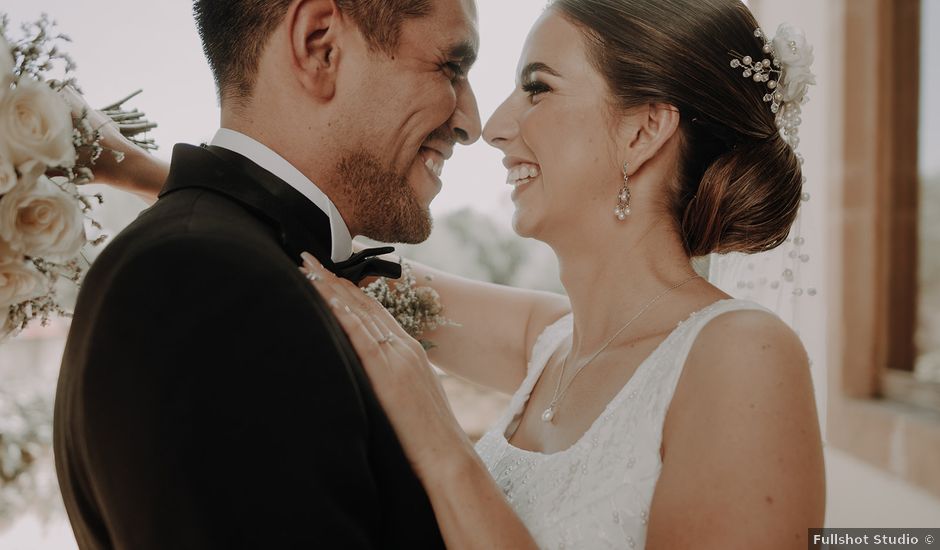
(596,493)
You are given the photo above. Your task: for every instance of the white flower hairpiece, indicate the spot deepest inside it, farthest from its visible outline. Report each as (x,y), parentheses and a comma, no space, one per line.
(786,73)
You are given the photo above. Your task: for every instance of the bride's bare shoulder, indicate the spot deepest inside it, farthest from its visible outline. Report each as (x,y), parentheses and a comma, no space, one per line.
(755,331)
(745,352)
(743,418)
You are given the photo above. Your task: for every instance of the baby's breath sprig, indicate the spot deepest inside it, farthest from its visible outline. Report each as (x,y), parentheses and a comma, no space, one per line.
(38,51)
(417,309)
(42,308)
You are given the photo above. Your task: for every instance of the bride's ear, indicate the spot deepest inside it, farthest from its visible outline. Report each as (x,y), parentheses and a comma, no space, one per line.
(314,28)
(647,130)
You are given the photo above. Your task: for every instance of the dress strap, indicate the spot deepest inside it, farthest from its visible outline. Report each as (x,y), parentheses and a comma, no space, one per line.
(663,386)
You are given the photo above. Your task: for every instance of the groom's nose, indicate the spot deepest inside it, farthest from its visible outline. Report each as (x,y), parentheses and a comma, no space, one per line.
(465,123)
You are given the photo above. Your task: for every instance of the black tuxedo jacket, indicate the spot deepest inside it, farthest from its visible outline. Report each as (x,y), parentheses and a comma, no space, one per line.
(208,398)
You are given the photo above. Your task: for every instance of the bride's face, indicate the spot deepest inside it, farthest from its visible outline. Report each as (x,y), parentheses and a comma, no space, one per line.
(556,132)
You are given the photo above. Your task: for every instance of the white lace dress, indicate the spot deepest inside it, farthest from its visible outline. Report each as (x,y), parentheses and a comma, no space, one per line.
(596,493)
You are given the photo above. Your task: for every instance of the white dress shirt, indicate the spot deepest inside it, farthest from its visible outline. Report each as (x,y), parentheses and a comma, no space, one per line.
(274,163)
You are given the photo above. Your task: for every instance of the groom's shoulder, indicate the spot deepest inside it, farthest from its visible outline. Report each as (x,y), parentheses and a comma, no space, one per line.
(198,214)
(191,235)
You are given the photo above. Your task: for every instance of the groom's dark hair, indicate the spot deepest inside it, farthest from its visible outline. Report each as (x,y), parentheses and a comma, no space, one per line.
(234,33)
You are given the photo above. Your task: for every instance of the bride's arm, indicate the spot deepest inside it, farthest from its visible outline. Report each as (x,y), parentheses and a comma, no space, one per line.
(139,172)
(496,326)
(743,463)
(470,508)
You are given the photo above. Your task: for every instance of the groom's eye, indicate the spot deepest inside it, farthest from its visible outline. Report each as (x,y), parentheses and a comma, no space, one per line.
(453,70)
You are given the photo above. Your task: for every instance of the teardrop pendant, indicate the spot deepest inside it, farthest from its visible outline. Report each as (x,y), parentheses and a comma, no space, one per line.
(548,415)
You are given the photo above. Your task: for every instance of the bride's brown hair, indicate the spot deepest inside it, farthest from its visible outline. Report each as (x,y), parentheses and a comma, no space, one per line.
(739,183)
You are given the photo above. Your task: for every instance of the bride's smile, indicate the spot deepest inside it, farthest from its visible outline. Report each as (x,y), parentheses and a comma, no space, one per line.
(555,128)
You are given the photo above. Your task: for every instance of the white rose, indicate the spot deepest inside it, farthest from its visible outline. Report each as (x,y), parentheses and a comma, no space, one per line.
(19,282)
(796,56)
(40,220)
(37,124)
(796,82)
(6,66)
(7,171)
(791,46)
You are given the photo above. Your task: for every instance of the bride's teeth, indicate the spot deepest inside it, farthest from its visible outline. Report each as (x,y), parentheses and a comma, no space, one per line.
(522,172)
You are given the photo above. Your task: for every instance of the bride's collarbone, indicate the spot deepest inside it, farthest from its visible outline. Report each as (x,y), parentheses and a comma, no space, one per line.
(598,384)
(586,398)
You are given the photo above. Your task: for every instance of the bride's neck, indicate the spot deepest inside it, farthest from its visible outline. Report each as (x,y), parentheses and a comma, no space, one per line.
(611,280)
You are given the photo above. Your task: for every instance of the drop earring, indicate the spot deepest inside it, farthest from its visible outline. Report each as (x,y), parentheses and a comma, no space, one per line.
(623,199)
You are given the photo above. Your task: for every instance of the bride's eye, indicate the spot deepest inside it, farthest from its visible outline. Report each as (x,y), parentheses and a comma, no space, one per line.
(535,88)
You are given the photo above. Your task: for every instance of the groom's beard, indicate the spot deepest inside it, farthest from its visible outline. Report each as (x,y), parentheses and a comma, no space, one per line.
(385,205)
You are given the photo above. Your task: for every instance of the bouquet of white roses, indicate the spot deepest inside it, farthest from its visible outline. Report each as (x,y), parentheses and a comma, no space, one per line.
(46,152)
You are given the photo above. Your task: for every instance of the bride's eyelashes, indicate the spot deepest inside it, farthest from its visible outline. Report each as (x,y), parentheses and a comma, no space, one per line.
(535,88)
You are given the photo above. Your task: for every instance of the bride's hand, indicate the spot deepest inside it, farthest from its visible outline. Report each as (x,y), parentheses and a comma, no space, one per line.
(406,384)
(139,172)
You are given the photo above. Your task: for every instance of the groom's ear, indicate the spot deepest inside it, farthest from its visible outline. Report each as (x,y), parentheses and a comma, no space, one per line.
(313,27)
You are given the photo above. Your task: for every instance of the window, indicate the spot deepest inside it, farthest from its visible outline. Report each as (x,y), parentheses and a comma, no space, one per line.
(912,369)
(927,336)
(884,395)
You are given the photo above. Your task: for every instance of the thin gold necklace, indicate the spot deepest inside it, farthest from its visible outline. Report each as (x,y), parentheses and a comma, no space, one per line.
(549,413)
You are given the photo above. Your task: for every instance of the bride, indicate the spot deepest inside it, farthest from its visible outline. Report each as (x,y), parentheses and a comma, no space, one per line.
(649,408)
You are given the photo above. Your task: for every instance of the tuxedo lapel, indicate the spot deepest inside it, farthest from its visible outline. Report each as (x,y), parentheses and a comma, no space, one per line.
(300,225)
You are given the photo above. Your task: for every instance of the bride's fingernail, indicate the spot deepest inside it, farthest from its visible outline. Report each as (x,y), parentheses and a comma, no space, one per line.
(308,258)
(334,302)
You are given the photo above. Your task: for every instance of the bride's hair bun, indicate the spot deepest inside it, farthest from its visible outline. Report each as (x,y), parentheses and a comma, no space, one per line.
(745,201)
(739,182)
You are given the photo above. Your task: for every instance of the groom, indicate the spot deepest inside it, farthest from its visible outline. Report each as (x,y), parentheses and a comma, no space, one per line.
(207,397)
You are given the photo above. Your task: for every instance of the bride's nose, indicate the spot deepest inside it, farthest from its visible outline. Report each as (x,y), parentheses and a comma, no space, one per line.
(502,127)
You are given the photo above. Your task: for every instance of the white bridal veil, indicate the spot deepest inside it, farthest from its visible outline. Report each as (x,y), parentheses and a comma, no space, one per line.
(788,281)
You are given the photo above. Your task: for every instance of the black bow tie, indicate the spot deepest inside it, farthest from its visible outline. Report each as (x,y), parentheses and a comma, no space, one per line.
(362,264)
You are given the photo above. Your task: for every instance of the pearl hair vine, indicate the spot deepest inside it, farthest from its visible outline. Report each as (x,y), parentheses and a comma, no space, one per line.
(786,73)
